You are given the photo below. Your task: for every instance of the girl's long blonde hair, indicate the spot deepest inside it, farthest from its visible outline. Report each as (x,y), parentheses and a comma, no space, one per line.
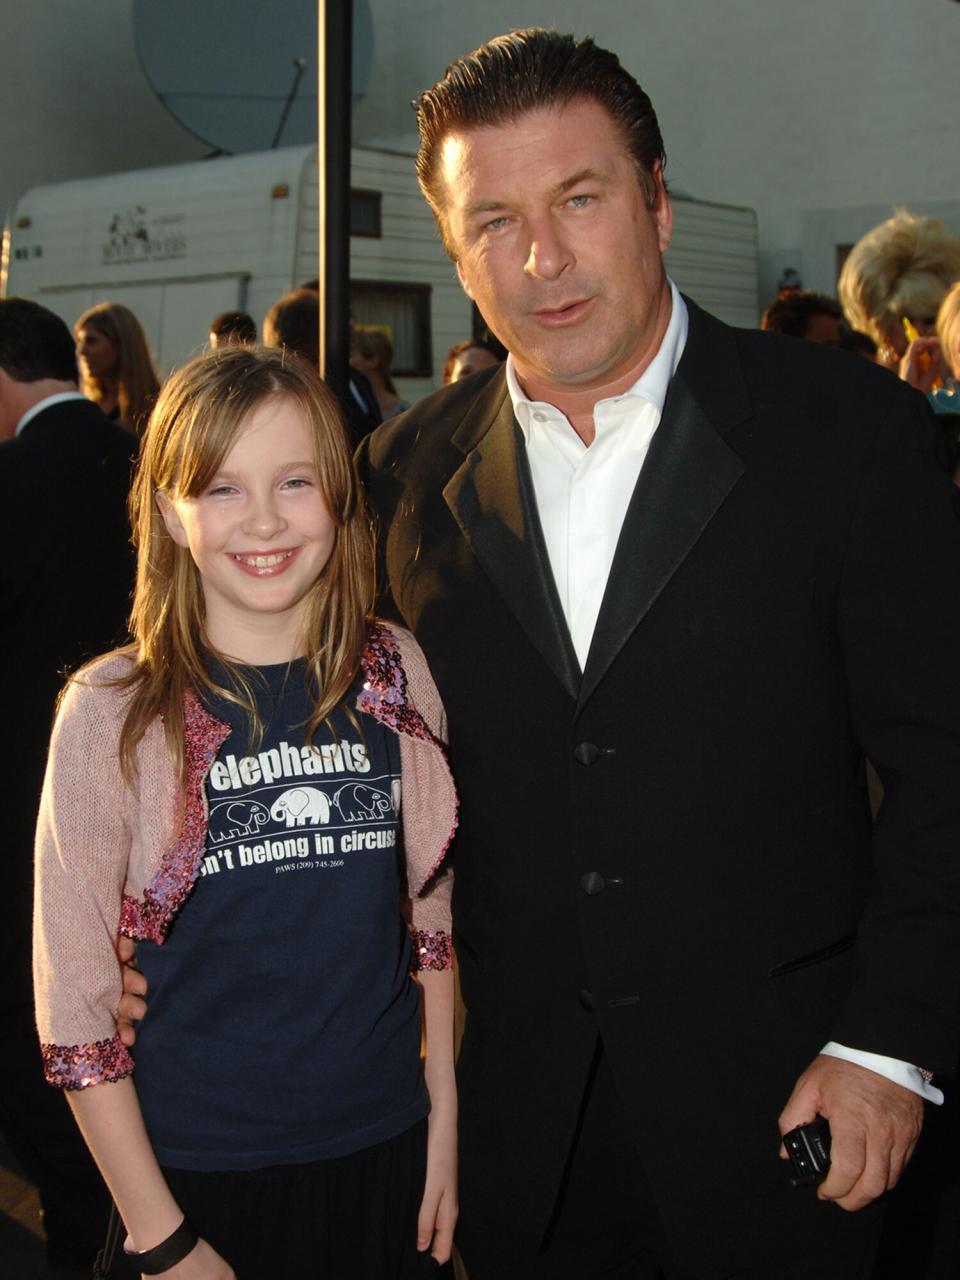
(201,411)
(136,378)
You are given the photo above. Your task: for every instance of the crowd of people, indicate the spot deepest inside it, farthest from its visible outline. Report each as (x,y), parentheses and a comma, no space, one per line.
(571,670)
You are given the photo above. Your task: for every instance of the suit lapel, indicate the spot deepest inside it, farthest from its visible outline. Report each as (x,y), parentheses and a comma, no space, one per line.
(491,497)
(687,474)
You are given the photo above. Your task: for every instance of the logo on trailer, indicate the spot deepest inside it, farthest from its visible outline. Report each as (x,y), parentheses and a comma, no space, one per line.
(135,237)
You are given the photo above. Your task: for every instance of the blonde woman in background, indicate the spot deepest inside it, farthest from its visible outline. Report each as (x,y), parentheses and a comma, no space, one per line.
(372,355)
(116,368)
(899,271)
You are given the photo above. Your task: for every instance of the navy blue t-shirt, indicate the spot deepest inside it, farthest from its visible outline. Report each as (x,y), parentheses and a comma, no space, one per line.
(284,1026)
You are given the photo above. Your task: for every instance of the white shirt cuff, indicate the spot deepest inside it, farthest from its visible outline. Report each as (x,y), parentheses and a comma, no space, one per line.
(903,1073)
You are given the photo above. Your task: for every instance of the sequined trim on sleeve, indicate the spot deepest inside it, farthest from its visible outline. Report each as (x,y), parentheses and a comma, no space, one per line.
(384,696)
(431,949)
(77,1066)
(165,894)
(384,692)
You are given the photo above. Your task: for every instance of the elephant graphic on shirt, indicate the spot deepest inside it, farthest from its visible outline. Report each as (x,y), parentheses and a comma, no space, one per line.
(360,803)
(301,806)
(236,819)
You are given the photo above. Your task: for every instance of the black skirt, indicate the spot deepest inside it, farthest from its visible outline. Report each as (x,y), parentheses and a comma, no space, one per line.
(352,1218)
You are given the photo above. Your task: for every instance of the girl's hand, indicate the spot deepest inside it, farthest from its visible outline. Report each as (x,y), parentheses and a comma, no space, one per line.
(438,1209)
(201,1263)
(133,1005)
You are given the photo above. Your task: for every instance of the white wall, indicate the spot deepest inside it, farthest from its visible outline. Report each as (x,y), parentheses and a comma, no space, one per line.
(783,106)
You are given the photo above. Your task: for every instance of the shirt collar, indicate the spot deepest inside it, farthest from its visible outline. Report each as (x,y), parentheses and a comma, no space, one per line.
(47,403)
(651,385)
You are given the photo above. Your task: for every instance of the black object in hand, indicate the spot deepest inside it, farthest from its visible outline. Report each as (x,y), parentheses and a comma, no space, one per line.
(808,1147)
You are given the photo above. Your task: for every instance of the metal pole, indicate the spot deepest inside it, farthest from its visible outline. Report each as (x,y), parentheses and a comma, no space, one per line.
(335,36)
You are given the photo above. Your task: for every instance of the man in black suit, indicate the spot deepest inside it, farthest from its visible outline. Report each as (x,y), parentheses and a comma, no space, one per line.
(674,581)
(65,582)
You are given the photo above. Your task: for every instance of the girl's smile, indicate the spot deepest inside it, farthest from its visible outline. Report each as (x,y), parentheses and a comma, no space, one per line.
(265,564)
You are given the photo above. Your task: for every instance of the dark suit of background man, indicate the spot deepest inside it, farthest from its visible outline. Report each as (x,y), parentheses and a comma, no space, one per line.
(663,657)
(66,572)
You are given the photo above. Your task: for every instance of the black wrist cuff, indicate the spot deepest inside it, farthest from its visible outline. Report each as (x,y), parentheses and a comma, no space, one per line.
(166,1254)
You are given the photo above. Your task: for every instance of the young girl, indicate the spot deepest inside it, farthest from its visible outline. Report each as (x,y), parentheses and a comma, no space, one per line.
(227,791)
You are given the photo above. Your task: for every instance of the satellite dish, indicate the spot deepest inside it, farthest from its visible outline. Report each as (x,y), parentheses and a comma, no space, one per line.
(241,74)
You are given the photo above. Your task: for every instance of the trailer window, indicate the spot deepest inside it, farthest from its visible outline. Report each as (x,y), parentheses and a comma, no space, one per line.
(403,312)
(365,213)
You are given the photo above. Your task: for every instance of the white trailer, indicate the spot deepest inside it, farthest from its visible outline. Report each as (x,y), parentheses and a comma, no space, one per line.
(179,244)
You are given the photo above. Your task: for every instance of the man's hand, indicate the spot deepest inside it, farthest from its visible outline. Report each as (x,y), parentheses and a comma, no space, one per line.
(132,1006)
(874,1126)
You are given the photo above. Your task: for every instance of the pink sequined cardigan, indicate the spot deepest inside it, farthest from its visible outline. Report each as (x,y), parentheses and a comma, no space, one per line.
(104,864)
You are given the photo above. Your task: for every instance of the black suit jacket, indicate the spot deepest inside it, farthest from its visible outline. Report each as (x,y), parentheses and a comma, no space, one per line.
(679,837)
(66,573)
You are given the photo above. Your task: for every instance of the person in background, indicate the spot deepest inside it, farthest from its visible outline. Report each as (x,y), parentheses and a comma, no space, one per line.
(232,328)
(898,272)
(65,586)
(467,357)
(116,367)
(931,363)
(371,354)
(802,313)
(293,323)
(948,333)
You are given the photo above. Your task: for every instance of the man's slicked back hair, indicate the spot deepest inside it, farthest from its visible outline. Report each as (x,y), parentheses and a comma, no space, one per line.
(523,71)
(34,343)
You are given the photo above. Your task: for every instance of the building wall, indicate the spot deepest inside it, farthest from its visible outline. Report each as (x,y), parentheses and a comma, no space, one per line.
(784,107)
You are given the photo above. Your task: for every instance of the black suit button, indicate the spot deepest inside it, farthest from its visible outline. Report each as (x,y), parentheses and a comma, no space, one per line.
(586,1000)
(587,753)
(592,883)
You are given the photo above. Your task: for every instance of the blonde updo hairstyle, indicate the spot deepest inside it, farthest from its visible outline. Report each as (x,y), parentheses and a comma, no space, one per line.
(903,267)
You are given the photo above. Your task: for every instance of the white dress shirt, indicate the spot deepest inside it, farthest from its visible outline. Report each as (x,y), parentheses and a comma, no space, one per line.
(582,493)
